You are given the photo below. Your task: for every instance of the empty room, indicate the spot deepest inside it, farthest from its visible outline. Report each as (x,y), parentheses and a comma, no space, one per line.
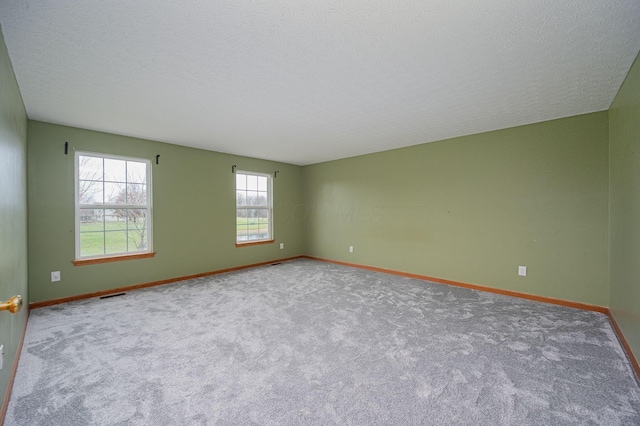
(342,212)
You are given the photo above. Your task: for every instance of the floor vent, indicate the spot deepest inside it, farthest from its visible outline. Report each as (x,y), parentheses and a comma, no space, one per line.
(112,295)
(277,263)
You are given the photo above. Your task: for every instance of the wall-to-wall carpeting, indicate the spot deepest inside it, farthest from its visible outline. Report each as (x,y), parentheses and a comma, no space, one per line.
(308,342)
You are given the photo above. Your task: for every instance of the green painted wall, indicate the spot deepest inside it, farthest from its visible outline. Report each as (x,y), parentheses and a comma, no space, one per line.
(472,209)
(624,257)
(13,211)
(193,212)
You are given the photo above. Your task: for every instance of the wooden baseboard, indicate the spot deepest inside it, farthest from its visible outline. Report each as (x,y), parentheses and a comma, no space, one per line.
(51,302)
(632,359)
(7,396)
(512,293)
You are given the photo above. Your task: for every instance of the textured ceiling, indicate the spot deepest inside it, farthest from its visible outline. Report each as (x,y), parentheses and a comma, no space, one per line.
(309,81)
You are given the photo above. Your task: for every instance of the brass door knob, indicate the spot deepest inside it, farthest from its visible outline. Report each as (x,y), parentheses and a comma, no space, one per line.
(12,305)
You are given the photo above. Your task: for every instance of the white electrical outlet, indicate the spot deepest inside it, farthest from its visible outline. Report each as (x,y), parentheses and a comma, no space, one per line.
(55,276)
(522,271)
(281,246)
(350,249)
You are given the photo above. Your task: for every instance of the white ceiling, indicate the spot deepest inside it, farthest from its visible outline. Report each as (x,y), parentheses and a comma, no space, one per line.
(304,81)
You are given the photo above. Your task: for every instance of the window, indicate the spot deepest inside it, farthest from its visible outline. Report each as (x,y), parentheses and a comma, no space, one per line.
(253,207)
(113,206)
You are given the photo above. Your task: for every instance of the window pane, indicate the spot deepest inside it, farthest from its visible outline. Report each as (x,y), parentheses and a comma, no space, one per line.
(136,194)
(136,172)
(252,198)
(263,232)
(115,193)
(115,220)
(257,224)
(241,181)
(91,232)
(115,242)
(241,224)
(252,182)
(241,198)
(242,233)
(262,183)
(137,241)
(137,224)
(263,199)
(91,243)
(115,170)
(89,168)
(90,192)
(250,224)
(91,220)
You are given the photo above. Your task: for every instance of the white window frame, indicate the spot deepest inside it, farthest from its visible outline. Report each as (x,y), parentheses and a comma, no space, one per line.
(107,206)
(268,207)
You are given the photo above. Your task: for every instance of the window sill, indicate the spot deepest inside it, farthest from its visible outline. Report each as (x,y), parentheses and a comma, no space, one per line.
(108,259)
(255,243)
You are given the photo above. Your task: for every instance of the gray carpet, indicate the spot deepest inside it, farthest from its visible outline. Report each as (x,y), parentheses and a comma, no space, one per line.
(313,343)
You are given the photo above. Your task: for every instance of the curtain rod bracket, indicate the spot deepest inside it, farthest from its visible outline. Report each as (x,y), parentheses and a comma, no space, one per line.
(158,159)
(66,148)
(233,168)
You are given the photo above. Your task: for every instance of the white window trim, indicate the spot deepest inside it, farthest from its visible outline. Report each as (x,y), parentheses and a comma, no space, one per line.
(270,238)
(78,207)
